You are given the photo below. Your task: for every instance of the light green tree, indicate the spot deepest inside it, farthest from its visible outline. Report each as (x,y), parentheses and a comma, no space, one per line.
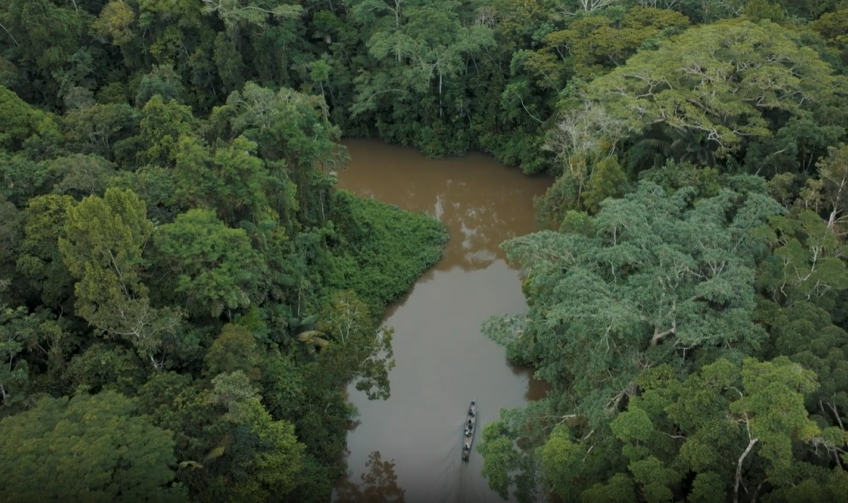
(720,81)
(102,248)
(655,277)
(661,278)
(242,14)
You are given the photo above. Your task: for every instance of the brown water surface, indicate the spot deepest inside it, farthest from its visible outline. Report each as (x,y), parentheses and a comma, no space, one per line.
(407,448)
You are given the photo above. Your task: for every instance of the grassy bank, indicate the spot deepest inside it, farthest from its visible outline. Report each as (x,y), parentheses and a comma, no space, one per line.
(379,250)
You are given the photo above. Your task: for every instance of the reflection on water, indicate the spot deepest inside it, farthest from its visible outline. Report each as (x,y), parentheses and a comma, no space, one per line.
(443,359)
(379,483)
(482,202)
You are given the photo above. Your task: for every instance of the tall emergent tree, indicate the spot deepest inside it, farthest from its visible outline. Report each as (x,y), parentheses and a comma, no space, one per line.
(103,250)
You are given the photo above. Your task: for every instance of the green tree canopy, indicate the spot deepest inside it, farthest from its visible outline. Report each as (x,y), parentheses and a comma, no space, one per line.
(656,278)
(261,457)
(40,260)
(663,273)
(103,248)
(215,267)
(727,81)
(86,449)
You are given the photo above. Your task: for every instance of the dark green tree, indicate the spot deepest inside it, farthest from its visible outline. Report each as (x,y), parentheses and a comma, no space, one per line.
(88,448)
(215,267)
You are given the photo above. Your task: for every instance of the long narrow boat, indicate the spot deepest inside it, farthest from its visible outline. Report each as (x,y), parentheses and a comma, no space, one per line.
(468,429)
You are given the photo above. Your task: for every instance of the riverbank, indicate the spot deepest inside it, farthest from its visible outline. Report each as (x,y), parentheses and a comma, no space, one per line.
(380,250)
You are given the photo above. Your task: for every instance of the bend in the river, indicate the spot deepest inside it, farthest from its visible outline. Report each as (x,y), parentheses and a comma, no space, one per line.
(408,447)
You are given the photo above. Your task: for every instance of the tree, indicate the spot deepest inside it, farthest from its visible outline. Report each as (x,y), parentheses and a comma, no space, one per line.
(829,193)
(807,335)
(722,80)
(215,267)
(246,13)
(361,352)
(368,12)
(18,332)
(806,262)
(100,128)
(728,424)
(26,127)
(297,141)
(592,5)
(234,350)
(228,179)
(432,43)
(724,412)
(81,175)
(156,186)
(653,278)
(88,448)
(664,278)
(11,226)
(263,457)
(229,63)
(107,366)
(607,181)
(831,27)
(115,21)
(162,81)
(40,259)
(592,45)
(47,39)
(161,127)
(103,250)
(582,137)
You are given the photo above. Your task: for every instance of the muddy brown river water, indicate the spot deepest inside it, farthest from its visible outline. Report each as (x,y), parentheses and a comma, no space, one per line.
(407,448)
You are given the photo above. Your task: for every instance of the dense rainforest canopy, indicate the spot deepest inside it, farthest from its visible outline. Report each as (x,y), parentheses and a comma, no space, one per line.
(184,293)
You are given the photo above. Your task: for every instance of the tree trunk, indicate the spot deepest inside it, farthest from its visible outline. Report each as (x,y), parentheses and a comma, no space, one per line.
(739,469)
(441,112)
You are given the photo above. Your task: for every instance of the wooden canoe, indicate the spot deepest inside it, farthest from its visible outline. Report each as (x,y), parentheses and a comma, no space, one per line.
(468,429)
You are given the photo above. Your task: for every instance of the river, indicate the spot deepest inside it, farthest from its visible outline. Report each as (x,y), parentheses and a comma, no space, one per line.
(407,448)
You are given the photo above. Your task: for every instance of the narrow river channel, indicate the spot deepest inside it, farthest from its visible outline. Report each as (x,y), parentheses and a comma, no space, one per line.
(407,448)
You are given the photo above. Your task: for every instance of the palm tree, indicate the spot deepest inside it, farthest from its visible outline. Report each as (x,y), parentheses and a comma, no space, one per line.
(307,334)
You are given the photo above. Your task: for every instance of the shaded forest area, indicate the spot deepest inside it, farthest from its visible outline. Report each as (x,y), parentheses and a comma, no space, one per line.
(185,293)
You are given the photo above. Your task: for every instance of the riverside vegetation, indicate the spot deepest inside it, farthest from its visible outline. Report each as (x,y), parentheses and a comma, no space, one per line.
(185,293)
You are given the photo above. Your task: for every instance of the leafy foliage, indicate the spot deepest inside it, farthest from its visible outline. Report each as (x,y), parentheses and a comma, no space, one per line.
(171,231)
(369,232)
(215,267)
(88,448)
(656,297)
(207,267)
